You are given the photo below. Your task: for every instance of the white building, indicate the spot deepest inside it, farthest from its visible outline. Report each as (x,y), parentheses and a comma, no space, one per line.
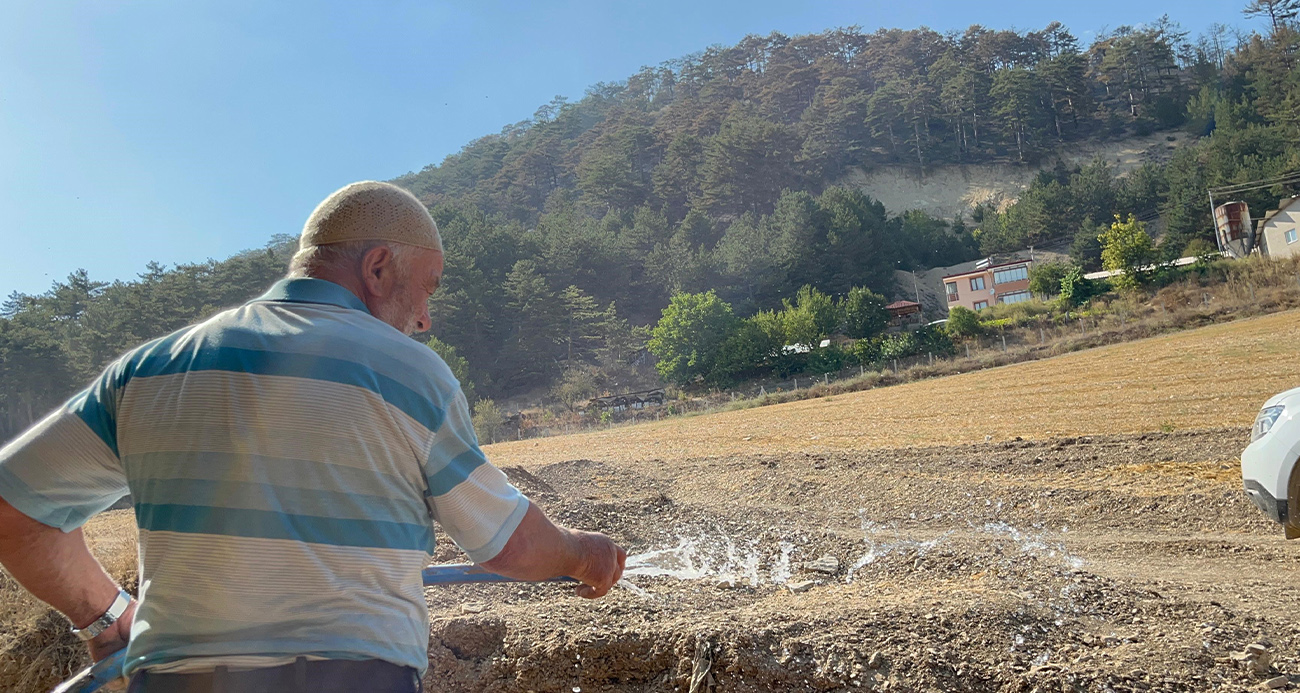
(1278,230)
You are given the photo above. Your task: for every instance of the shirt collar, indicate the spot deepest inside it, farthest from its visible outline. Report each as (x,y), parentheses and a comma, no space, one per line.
(307,290)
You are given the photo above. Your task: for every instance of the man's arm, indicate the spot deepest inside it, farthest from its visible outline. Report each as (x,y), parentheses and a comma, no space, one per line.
(540,549)
(58,568)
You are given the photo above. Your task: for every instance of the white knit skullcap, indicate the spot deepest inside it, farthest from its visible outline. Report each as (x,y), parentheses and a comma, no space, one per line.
(371,211)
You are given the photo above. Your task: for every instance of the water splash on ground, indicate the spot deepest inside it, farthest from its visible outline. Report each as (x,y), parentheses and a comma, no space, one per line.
(1036,545)
(878,548)
(711,557)
(716,556)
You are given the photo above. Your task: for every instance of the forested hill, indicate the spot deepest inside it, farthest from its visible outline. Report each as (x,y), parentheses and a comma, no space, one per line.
(723,132)
(726,170)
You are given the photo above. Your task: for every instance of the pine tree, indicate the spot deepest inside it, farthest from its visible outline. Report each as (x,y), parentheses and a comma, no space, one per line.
(1279,12)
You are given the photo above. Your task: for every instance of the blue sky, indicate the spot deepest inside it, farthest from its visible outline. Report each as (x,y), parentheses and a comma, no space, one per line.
(178,131)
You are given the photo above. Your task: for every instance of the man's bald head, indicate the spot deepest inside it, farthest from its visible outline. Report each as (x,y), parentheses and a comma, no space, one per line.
(380,243)
(371,211)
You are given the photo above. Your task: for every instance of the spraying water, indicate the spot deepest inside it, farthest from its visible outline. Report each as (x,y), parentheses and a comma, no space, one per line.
(719,557)
(711,557)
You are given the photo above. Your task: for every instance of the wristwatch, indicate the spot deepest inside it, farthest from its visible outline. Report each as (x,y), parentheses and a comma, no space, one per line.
(110,617)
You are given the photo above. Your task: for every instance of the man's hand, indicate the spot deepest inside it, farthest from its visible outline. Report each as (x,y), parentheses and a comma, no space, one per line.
(58,569)
(540,550)
(602,565)
(115,636)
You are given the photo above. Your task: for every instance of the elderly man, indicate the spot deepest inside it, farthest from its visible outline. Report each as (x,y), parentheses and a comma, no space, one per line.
(287,459)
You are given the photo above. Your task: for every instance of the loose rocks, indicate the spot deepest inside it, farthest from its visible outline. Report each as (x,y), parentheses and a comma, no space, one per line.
(826,565)
(1275,683)
(800,586)
(1256,658)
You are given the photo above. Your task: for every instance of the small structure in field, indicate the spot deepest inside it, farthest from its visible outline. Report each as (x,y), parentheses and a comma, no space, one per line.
(627,400)
(904,312)
(1232,224)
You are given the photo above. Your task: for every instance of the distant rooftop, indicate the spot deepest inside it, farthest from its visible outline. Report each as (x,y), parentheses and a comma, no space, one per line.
(981,268)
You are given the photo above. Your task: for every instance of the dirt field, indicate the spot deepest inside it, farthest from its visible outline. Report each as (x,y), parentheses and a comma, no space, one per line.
(1097,540)
(1089,564)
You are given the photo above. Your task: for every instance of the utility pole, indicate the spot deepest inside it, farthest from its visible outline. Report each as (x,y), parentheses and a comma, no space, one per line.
(1214,221)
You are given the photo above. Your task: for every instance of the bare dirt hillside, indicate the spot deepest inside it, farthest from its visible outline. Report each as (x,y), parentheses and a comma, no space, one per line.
(946,191)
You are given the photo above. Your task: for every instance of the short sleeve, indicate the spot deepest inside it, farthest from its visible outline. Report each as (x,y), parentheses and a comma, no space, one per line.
(65,469)
(471,499)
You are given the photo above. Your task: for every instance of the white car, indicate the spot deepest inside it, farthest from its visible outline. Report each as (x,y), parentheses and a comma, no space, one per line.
(1268,464)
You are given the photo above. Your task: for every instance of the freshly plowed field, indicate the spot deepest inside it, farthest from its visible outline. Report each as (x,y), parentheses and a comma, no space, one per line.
(1097,563)
(1205,378)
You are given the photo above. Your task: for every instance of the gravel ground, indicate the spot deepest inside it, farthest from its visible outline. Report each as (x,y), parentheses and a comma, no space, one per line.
(1104,563)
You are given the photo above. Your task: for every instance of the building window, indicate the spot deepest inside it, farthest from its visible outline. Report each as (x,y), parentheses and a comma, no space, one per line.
(1016,297)
(1290,236)
(981,305)
(1013,274)
(977,284)
(951,288)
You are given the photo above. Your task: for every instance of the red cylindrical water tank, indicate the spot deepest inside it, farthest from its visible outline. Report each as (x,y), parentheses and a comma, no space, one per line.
(1232,220)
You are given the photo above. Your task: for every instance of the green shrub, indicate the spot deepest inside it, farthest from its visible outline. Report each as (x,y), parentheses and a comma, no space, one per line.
(1077,290)
(1204,251)
(864,352)
(934,340)
(1126,247)
(753,345)
(998,323)
(826,359)
(864,313)
(489,424)
(1045,278)
(1021,313)
(897,346)
(962,322)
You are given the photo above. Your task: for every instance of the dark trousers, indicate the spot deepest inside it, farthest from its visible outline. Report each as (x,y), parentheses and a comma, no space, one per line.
(302,676)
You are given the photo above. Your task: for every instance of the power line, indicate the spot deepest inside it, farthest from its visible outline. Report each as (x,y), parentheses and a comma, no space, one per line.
(1261,180)
(1257,184)
(1260,187)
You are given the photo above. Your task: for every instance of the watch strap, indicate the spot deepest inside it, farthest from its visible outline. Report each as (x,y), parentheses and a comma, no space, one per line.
(101,624)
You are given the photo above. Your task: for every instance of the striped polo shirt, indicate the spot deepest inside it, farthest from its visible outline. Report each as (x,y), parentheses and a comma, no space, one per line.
(287,460)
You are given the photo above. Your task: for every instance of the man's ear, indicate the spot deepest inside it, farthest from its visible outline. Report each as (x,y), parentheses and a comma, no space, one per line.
(378,271)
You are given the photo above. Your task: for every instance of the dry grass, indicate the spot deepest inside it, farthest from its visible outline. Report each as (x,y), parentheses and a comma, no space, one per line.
(1208,377)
